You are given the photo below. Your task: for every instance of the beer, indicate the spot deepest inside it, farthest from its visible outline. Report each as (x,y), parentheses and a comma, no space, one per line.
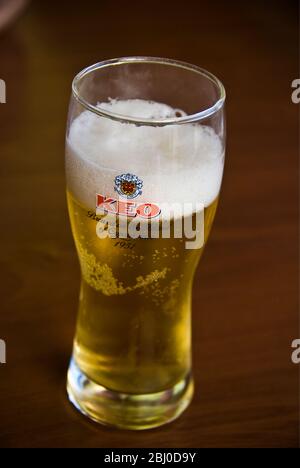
(133,332)
(150,168)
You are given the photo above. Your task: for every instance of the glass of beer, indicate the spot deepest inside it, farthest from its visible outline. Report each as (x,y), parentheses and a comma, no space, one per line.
(144,164)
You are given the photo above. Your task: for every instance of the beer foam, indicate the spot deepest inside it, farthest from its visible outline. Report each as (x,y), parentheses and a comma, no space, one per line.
(177,163)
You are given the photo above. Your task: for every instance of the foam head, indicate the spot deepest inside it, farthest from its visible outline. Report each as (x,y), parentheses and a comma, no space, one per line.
(177,163)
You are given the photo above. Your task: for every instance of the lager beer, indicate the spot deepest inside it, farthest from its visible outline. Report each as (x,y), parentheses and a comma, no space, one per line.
(133,331)
(133,337)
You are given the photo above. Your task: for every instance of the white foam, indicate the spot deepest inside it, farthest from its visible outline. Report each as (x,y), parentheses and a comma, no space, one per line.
(177,163)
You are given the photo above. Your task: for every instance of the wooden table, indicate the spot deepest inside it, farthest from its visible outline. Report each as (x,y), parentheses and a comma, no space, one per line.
(246,289)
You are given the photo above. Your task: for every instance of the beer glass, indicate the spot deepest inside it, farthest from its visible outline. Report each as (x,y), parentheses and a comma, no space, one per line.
(143,134)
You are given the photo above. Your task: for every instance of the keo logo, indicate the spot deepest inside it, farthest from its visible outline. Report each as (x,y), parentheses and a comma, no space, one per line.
(2,92)
(126,208)
(2,352)
(296,353)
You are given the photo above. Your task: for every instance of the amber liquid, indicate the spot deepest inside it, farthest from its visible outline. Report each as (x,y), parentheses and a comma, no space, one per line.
(134,323)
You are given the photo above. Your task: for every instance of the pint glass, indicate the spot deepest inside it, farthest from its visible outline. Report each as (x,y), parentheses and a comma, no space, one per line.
(144,165)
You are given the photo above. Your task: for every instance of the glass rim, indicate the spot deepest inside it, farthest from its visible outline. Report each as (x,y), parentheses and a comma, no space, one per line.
(191,118)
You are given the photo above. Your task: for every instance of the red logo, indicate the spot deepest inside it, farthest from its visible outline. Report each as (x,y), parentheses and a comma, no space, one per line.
(126,208)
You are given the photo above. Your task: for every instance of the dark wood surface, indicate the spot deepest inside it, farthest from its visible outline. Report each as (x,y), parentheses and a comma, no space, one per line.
(246,289)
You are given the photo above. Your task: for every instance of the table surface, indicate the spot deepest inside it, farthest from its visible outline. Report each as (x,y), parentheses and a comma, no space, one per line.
(245,303)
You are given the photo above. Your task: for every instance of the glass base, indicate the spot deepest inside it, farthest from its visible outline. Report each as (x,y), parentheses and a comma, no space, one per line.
(127,411)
